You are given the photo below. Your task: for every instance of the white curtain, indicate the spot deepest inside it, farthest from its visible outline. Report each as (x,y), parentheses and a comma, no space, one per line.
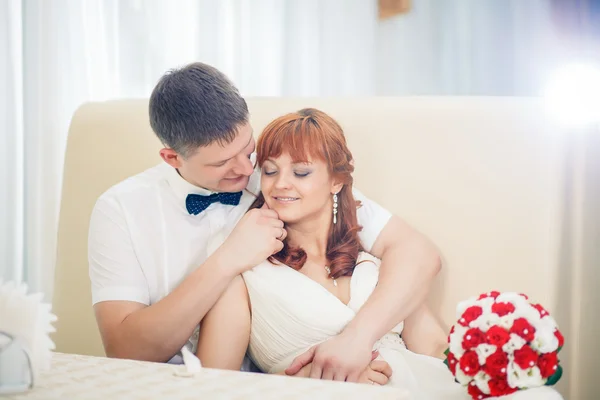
(468,47)
(56,55)
(11,142)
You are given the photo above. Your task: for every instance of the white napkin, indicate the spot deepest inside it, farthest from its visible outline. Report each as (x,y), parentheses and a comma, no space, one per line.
(191,364)
(25,325)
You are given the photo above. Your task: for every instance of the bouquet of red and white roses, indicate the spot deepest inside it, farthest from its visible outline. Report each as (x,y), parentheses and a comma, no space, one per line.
(503,343)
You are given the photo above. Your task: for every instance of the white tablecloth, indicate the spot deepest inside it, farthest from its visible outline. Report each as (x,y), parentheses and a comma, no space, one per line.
(76,377)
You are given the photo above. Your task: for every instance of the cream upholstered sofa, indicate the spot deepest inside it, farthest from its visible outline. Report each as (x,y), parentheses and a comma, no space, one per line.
(482,177)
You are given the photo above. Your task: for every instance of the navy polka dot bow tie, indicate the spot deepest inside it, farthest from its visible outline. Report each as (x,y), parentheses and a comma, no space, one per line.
(196,203)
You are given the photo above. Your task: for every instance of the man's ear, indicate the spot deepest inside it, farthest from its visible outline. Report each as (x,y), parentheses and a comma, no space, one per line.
(171,157)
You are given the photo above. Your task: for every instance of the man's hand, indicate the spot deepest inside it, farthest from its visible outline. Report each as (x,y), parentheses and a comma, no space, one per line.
(257,236)
(378,372)
(342,358)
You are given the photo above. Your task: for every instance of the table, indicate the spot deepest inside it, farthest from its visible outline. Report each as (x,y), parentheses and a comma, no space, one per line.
(86,377)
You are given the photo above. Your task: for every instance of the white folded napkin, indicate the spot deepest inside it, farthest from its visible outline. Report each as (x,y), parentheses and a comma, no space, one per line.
(191,364)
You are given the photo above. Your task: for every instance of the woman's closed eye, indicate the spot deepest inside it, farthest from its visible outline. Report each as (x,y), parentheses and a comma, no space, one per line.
(298,174)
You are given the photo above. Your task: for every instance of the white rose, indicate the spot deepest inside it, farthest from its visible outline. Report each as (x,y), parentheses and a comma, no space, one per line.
(544,341)
(485,321)
(506,321)
(481,380)
(529,313)
(512,375)
(456,339)
(549,322)
(486,304)
(461,377)
(514,343)
(483,351)
(511,297)
(524,378)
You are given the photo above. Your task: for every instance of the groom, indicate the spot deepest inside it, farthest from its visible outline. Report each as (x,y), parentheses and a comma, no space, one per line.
(154,270)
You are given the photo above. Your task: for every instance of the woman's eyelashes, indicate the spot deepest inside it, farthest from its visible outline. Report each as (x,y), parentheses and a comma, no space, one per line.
(298,174)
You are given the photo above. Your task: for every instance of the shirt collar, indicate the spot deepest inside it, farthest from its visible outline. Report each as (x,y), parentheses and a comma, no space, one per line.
(181,187)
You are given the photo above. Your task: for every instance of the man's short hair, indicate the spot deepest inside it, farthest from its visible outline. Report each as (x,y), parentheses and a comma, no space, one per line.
(195,106)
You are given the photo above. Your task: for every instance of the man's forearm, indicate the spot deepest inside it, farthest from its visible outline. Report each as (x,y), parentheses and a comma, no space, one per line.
(158,332)
(406,273)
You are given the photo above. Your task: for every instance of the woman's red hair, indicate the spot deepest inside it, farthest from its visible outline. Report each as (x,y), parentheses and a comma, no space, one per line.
(312,134)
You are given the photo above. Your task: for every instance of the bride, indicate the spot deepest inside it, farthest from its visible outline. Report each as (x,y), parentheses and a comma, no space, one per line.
(310,290)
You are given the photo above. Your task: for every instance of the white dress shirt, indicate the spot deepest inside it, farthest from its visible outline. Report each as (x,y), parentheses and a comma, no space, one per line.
(143,242)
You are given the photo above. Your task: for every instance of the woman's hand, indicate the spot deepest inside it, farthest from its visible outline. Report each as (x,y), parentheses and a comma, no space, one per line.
(378,372)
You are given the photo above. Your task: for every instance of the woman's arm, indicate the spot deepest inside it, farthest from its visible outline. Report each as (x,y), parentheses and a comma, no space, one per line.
(423,334)
(225,331)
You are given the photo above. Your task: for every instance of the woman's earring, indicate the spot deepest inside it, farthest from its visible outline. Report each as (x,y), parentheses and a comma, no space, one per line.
(335,206)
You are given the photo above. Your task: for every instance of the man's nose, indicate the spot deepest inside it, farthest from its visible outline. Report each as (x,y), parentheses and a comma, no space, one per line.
(244,166)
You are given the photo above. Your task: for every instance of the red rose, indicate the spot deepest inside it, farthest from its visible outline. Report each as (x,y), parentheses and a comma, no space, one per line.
(475,393)
(523,328)
(473,338)
(496,364)
(470,315)
(493,294)
(560,337)
(452,363)
(497,336)
(548,363)
(540,309)
(469,363)
(500,387)
(503,308)
(526,357)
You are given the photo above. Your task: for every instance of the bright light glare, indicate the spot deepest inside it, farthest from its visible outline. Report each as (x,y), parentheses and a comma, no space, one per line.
(573,94)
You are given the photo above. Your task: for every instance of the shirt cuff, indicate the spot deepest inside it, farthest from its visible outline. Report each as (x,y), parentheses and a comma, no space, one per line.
(121,293)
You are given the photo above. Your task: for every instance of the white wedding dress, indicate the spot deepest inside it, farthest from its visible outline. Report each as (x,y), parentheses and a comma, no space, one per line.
(291,313)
